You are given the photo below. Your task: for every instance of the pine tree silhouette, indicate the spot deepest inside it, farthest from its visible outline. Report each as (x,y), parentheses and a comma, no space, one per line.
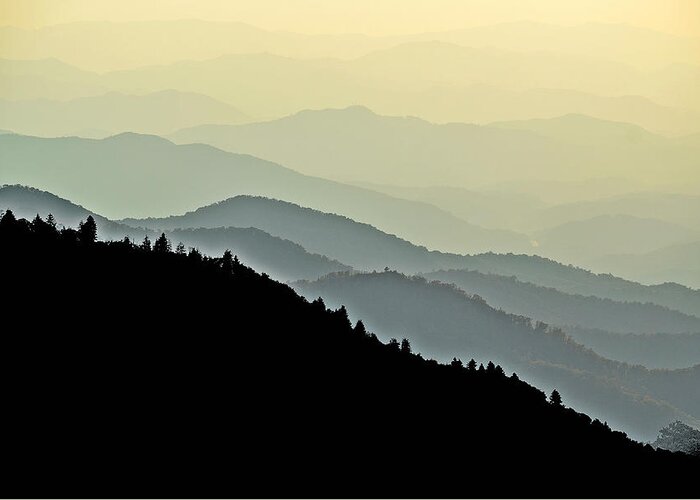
(146,244)
(227,262)
(87,231)
(555,398)
(162,245)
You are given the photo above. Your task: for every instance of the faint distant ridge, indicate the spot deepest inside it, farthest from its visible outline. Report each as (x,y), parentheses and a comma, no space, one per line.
(580,128)
(357,144)
(616,41)
(162,178)
(160,112)
(562,309)
(581,241)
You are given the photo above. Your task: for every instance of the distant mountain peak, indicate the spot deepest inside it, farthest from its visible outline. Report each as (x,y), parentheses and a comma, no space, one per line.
(134,137)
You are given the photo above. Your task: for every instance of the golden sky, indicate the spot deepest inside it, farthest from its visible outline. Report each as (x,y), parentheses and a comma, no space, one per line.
(377,17)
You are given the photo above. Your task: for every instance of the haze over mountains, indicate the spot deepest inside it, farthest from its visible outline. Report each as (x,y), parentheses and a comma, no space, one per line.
(442,321)
(355,144)
(100,116)
(421,153)
(139,175)
(174,40)
(286,259)
(361,246)
(521,192)
(269,86)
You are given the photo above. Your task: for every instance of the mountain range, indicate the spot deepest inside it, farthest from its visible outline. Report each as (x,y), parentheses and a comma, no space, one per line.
(356,144)
(100,116)
(459,84)
(280,258)
(361,246)
(442,321)
(278,351)
(139,175)
(321,233)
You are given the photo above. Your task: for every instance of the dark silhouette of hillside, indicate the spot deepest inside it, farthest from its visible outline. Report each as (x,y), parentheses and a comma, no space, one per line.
(222,382)
(27,202)
(365,247)
(443,321)
(562,309)
(284,260)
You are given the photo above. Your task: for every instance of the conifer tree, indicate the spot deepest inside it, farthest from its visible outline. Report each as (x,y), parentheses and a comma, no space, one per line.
(8,218)
(555,398)
(227,262)
(87,231)
(162,245)
(146,244)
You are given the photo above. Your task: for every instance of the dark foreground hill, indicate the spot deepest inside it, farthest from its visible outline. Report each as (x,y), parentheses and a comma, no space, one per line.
(282,259)
(221,382)
(443,321)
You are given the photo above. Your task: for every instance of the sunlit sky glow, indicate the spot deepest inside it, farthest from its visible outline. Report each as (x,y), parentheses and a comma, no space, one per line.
(376,17)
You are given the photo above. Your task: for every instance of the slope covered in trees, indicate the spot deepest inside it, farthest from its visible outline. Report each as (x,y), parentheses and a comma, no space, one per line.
(367,248)
(282,259)
(656,350)
(27,202)
(246,389)
(442,321)
(562,309)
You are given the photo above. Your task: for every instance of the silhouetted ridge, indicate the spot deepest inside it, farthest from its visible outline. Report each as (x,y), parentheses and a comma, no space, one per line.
(283,260)
(443,321)
(365,247)
(226,383)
